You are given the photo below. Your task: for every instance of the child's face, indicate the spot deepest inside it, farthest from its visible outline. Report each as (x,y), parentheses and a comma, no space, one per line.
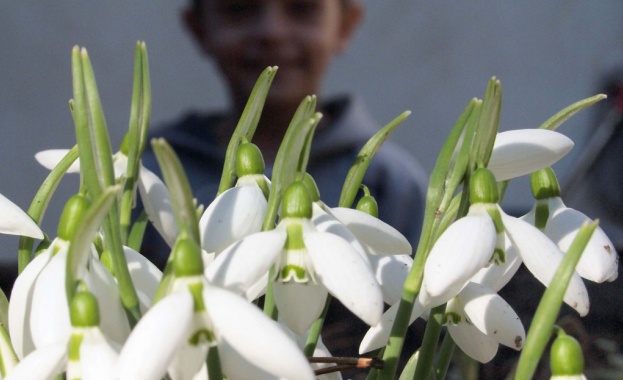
(299,36)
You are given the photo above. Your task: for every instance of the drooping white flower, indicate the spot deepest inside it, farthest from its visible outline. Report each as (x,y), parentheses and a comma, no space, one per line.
(307,264)
(238,211)
(38,311)
(479,320)
(176,334)
(523,151)
(599,261)
(85,354)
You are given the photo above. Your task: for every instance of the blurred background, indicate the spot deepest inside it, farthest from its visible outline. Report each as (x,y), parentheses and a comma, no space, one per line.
(428,57)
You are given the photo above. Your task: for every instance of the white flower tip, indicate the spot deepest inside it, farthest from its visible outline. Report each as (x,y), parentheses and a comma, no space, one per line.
(51,157)
(523,151)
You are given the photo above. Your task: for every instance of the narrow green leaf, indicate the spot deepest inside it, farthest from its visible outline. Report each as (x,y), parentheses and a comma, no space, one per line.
(563,115)
(542,325)
(362,161)
(80,245)
(246,126)
(179,188)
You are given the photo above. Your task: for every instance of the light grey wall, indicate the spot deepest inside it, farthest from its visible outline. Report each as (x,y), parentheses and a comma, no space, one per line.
(429,57)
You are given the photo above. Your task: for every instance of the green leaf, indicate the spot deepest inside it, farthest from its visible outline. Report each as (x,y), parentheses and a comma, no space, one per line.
(563,115)
(246,126)
(80,245)
(542,325)
(363,159)
(179,188)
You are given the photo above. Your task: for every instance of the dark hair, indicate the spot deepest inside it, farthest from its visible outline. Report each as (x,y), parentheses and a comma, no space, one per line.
(196,5)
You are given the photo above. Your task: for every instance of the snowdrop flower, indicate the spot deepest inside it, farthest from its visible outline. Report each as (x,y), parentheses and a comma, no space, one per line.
(307,264)
(523,151)
(478,320)
(599,262)
(38,312)
(86,354)
(154,193)
(176,334)
(240,210)
(466,246)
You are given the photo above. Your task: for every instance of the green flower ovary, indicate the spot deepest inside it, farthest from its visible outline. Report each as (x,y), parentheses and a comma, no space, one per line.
(544,184)
(249,160)
(482,187)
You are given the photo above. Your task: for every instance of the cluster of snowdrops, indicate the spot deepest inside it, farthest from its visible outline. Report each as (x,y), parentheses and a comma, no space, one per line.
(87,304)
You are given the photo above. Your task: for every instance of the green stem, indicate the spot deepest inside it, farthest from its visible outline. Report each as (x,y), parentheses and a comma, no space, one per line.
(316,328)
(214,365)
(40,204)
(445,356)
(429,343)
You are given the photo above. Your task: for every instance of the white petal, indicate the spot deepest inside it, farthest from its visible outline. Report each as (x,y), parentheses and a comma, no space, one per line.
(378,236)
(51,157)
(145,277)
(299,305)
(254,336)
(155,339)
(234,214)
(44,363)
(391,272)
(236,367)
(523,151)
(542,257)
(326,222)
(492,315)
(473,342)
(243,263)
(157,203)
(496,276)
(459,253)
(14,221)
(49,317)
(347,277)
(378,335)
(98,358)
(190,358)
(113,319)
(599,262)
(20,305)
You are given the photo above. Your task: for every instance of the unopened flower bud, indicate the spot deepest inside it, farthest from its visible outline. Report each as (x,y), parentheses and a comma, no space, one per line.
(249,160)
(544,184)
(482,187)
(368,204)
(187,258)
(296,202)
(84,310)
(566,358)
(74,210)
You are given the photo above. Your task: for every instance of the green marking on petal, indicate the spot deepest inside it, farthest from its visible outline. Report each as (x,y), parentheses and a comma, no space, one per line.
(75,340)
(291,272)
(196,289)
(294,239)
(498,257)
(541,214)
(202,336)
(452,317)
